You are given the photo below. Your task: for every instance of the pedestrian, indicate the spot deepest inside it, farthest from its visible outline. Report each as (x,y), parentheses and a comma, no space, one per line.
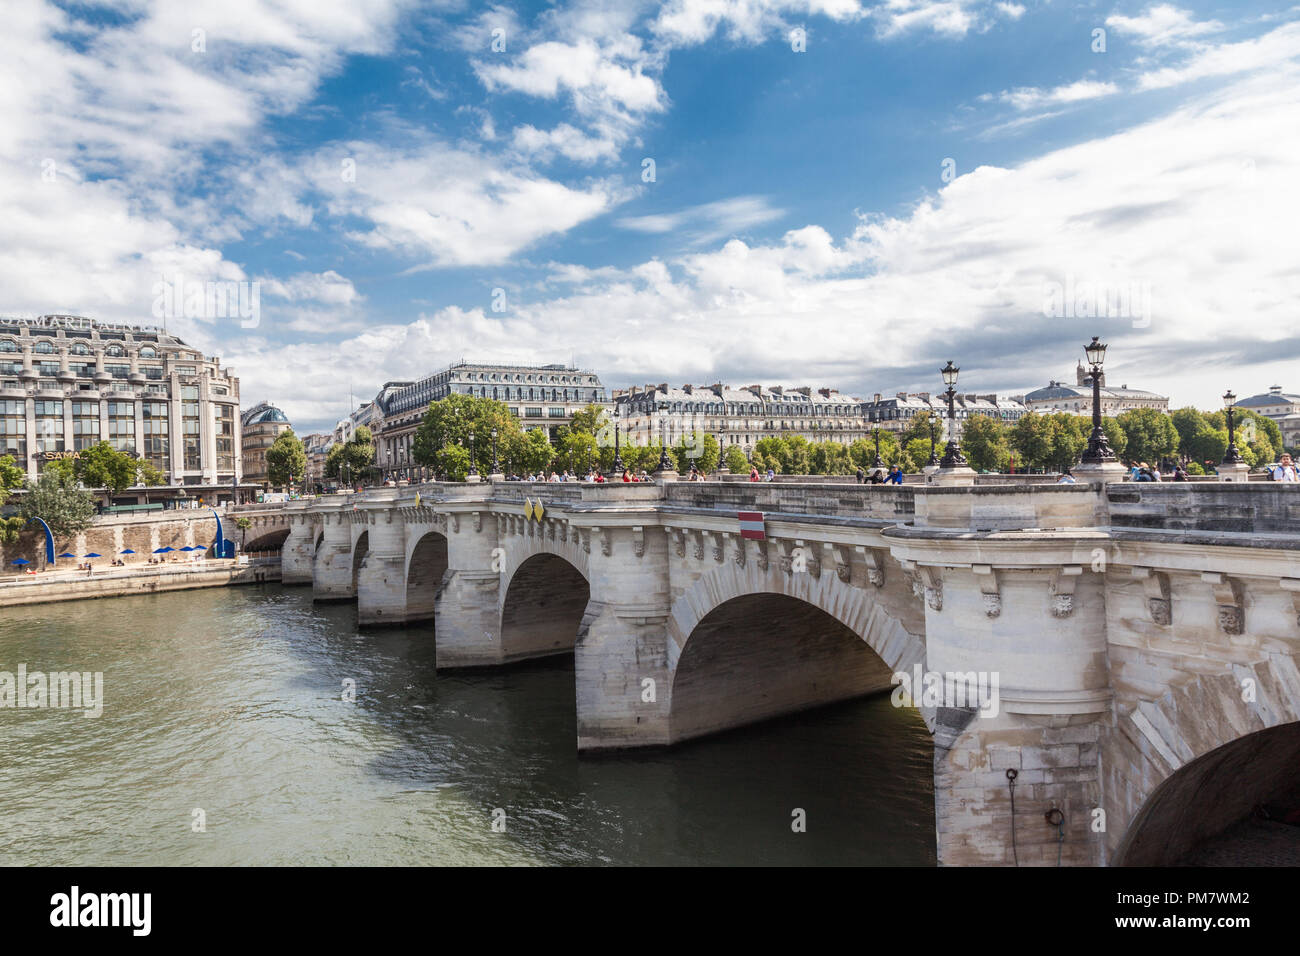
(1179,474)
(771,475)
(895,476)
(877,477)
(1066,478)
(1284,470)
(861,475)
(753,473)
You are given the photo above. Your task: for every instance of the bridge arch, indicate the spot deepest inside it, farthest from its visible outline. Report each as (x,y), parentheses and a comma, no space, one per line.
(1215,757)
(426,566)
(360,548)
(267,541)
(745,645)
(544,598)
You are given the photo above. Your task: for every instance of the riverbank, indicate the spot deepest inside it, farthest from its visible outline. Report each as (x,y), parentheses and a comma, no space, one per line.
(71,585)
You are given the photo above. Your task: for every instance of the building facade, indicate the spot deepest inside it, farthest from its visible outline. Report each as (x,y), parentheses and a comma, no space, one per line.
(1077,399)
(316,447)
(895,413)
(545,396)
(260,426)
(1282,407)
(737,417)
(68,382)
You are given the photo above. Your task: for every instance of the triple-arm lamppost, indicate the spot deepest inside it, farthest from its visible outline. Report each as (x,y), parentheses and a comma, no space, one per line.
(934,459)
(664,463)
(952,456)
(496,467)
(879,462)
(616,468)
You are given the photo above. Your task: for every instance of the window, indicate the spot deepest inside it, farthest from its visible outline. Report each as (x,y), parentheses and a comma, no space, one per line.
(148,352)
(49,426)
(153,373)
(224,428)
(7,345)
(186,370)
(114,350)
(13,430)
(555,412)
(43,347)
(154,440)
(47,369)
(121,426)
(118,371)
(80,349)
(532,412)
(85,425)
(190,428)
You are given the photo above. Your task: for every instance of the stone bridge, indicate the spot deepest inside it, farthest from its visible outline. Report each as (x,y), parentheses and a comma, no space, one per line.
(1142,639)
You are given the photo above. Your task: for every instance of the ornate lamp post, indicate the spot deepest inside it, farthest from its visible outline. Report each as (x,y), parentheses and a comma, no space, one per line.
(934,459)
(473,468)
(496,464)
(665,463)
(1098,451)
(1232,456)
(879,462)
(616,467)
(952,456)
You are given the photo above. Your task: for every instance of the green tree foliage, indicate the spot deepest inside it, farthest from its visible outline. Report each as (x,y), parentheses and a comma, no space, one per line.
(103,466)
(699,449)
(1049,442)
(453,462)
(451,421)
(1151,435)
(736,461)
(985,443)
(830,458)
(55,497)
(350,460)
(529,452)
(575,451)
(286,459)
(11,476)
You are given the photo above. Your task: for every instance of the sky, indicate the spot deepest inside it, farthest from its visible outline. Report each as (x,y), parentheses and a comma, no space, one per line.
(835,193)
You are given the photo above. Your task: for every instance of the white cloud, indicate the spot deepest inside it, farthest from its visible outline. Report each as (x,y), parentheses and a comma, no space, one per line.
(1162,25)
(1012,11)
(1027,98)
(566,140)
(451,206)
(709,221)
(1269,51)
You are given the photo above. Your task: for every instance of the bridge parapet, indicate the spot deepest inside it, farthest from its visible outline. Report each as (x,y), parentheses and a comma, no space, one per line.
(1234,507)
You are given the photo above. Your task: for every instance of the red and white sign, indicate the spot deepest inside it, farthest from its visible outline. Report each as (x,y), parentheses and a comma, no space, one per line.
(751,525)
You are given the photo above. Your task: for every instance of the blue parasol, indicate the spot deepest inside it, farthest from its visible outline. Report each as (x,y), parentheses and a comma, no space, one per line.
(67,554)
(21,561)
(163,550)
(127,551)
(92,555)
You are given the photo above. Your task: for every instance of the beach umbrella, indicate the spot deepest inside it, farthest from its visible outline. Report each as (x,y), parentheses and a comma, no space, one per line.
(92,555)
(127,551)
(163,550)
(21,561)
(67,554)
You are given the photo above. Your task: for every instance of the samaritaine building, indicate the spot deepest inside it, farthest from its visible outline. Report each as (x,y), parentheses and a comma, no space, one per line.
(68,382)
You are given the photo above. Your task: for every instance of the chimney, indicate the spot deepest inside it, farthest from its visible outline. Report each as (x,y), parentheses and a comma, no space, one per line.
(877,398)
(663,386)
(924,396)
(688,388)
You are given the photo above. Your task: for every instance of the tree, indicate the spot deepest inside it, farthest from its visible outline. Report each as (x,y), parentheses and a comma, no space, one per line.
(453,462)
(736,461)
(350,460)
(243,524)
(699,449)
(576,451)
(985,444)
(1116,437)
(55,497)
(103,466)
(451,421)
(11,476)
(529,451)
(1151,435)
(286,459)
(919,427)
(830,458)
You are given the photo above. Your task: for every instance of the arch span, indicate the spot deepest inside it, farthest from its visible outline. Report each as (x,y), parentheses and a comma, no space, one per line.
(270,541)
(745,646)
(426,565)
(543,607)
(359,551)
(1197,760)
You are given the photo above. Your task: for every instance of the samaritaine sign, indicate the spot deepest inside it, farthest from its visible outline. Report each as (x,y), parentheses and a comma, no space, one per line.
(71,323)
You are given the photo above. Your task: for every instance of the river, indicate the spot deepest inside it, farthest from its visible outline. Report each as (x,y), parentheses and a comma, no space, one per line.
(229,701)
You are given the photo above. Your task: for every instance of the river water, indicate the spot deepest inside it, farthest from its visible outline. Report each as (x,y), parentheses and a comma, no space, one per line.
(230,702)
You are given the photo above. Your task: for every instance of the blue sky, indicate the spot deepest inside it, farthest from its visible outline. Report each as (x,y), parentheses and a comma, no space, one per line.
(916,183)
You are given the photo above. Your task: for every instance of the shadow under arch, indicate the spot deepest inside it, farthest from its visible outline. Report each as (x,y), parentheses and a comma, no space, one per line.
(359,551)
(1212,793)
(425,569)
(746,644)
(271,541)
(543,608)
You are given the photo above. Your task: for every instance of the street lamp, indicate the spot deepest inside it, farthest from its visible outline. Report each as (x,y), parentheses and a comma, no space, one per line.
(664,463)
(473,468)
(616,468)
(496,467)
(879,462)
(1233,455)
(952,456)
(1098,450)
(934,459)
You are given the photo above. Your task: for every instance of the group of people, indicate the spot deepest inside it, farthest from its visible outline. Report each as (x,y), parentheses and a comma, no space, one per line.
(878,477)
(592,477)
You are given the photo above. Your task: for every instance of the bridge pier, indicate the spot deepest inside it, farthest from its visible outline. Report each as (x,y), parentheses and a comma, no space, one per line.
(332,565)
(466,614)
(298,550)
(381,582)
